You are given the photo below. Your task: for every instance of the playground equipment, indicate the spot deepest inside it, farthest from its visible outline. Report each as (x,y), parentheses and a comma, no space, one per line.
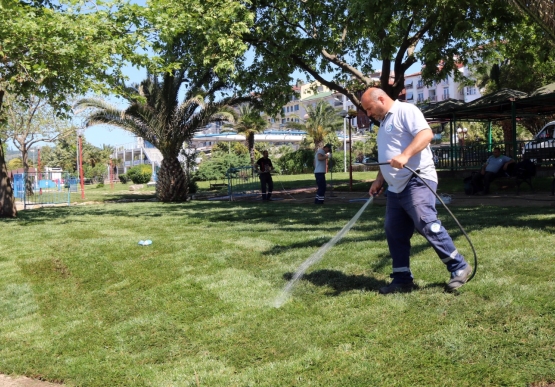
(43,188)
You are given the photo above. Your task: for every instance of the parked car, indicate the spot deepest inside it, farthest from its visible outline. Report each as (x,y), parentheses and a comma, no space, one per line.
(542,147)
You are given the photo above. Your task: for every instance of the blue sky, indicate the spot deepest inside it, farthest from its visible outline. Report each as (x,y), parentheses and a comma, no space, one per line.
(110,135)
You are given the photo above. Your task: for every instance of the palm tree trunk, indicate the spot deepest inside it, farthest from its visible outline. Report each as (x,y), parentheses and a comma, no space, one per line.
(172,185)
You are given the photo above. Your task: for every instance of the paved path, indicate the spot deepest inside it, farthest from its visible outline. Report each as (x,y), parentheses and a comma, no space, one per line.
(7,381)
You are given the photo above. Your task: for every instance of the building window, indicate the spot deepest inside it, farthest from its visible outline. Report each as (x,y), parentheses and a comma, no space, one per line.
(408,85)
(283,120)
(283,110)
(296,107)
(410,97)
(432,95)
(470,90)
(445,93)
(420,97)
(420,84)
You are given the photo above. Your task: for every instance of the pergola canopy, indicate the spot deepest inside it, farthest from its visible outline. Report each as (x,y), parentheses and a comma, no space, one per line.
(501,105)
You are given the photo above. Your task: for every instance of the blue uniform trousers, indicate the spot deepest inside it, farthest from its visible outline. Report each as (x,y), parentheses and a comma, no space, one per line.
(414,208)
(321,192)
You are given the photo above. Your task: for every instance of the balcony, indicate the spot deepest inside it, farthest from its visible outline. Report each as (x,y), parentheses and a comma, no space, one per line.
(420,85)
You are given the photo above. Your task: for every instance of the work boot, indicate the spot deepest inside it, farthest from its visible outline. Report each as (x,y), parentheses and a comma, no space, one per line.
(396,287)
(459,278)
(269,196)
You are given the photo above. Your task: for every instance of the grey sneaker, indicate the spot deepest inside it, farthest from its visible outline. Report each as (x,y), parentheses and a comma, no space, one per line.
(459,278)
(397,288)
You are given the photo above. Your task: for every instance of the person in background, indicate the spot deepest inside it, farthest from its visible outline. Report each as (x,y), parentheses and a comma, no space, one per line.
(494,167)
(320,168)
(403,139)
(263,167)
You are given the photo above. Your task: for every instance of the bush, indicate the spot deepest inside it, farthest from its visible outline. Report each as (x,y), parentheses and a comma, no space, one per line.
(193,186)
(100,185)
(123,178)
(140,174)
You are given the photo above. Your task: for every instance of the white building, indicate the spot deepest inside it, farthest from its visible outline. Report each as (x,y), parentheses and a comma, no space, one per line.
(417,92)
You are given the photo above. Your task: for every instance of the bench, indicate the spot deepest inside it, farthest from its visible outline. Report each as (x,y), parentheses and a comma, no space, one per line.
(519,173)
(218,185)
(512,181)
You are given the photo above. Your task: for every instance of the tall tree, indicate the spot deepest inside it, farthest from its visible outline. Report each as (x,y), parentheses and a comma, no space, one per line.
(522,61)
(52,51)
(29,121)
(250,122)
(156,114)
(321,121)
(337,42)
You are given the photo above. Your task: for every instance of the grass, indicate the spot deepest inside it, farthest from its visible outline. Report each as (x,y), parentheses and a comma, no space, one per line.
(340,181)
(82,303)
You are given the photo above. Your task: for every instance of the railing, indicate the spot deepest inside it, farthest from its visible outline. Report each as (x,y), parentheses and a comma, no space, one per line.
(474,155)
(242,181)
(42,188)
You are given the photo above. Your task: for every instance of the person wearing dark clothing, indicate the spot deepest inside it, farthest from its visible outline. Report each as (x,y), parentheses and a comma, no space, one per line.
(264,167)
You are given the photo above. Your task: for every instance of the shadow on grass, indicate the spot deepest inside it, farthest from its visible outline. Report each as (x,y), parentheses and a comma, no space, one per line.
(341,282)
(289,216)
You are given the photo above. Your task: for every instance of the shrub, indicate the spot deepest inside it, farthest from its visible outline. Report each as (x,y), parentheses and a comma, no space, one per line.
(140,174)
(123,178)
(100,185)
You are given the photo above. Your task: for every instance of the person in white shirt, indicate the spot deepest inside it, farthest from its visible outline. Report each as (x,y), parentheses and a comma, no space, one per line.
(404,138)
(320,168)
(495,166)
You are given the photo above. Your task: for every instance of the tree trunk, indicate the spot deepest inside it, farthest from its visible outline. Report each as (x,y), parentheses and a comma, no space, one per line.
(7,202)
(172,184)
(507,126)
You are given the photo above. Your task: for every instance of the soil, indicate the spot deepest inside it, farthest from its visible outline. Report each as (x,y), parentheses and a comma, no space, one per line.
(339,197)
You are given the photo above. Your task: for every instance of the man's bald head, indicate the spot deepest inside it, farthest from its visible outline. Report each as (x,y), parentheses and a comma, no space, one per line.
(376,103)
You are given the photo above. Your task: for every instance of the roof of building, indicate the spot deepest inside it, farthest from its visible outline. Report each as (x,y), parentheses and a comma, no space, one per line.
(319,95)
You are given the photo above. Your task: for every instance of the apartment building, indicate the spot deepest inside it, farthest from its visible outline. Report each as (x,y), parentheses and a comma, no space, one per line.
(417,92)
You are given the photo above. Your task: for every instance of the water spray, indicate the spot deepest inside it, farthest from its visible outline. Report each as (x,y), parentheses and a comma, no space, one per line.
(317,256)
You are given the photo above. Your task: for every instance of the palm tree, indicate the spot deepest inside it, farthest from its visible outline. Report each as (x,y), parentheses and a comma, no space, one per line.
(249,123)
(320,121)
(156,115)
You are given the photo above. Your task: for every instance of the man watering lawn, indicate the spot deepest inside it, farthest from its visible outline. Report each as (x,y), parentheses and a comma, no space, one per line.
(403,139)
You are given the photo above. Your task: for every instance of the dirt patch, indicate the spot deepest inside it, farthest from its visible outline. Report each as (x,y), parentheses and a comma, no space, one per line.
(22,381)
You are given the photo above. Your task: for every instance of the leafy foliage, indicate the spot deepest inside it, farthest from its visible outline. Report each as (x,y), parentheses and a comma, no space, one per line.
(140,174)
(298,35)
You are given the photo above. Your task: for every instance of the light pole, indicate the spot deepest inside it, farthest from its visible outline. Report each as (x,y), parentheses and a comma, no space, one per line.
(347,115)
(80,134)
(462,133)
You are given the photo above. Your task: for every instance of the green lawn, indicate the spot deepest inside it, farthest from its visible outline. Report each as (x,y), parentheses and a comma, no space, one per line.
(82,303)
(340,181)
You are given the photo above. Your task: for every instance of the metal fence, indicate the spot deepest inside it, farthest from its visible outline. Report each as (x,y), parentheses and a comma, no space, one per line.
(42,188)
(473,156)
(242,181)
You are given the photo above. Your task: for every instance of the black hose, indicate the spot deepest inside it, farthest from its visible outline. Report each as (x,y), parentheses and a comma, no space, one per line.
(416,173)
